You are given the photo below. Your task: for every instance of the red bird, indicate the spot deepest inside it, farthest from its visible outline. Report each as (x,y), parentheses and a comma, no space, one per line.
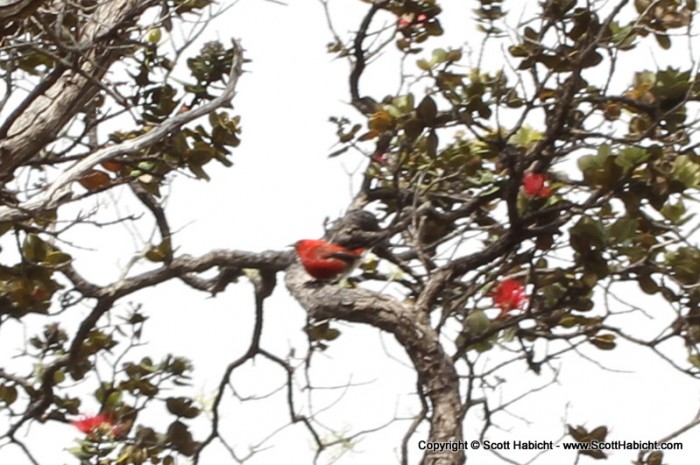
(324,260)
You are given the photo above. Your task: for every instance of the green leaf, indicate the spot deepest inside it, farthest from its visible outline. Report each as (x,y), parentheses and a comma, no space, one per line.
(630,157)
(592,59)
(8,394)
(4,227)
(439,55)
(594,162)
(34,248)
(588,163)
(79,452)
(685,264)
(477,322)
(686,171)
(153,35)
(198,171)
(587,234)
(147,388)
(569,321)
(599,433)
(509,333)
(181,407)
(403,103)
(664,40)
(434,28)
(413,128)
(623,229)
(59,376)
(181,438)
(647,284)
(424,64)
(674,212)
(481,347)
(57,259)
(582,305)
(589,279)
(579,433)
(553,293)
(525,136)
(427,110)
(519,51)
(160,252)
(604,341)
(454,55)
(655,458)
(321,332)
(431,144)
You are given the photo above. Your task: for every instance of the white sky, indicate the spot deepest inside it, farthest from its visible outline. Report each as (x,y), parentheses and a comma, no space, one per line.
(281,188)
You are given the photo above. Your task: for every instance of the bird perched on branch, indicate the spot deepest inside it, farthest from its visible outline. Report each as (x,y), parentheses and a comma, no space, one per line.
(326,261)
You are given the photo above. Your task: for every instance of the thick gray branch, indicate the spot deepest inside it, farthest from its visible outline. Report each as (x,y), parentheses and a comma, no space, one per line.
(436,372)
(270,261)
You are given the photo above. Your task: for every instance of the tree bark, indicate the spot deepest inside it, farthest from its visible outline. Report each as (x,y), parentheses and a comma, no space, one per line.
(46,113)
(436,371)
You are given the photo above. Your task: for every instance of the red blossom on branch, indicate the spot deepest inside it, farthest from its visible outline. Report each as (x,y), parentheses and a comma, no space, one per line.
(509,295)
(534,185)
(405,21)
(88,424)
(103,423)
(379,157)
(408,19)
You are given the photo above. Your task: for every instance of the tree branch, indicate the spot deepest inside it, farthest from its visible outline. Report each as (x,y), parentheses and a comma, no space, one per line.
(436,372)
(60,188)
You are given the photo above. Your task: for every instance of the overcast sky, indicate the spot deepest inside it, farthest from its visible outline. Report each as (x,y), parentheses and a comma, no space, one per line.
(281,188)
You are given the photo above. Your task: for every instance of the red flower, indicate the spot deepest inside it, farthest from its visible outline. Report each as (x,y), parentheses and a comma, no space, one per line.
(379,157)
(88,424)
(509,295)
(534,185)
(102,423)
(408,19)
(405,20)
